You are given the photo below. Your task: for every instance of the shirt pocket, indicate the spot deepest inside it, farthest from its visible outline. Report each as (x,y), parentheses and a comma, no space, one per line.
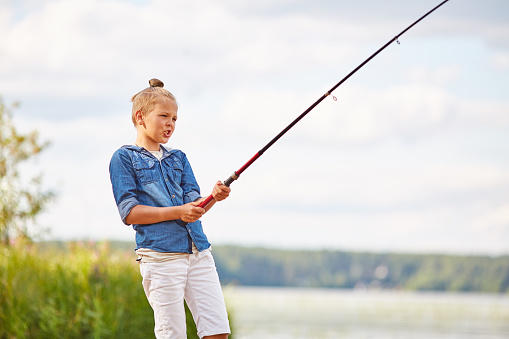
(146,171)
(177,169)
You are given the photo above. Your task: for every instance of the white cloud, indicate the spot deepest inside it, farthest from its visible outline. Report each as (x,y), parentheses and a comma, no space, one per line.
(494,221)
(361,115)
(501,61)
(79,47)
(442,75)
(393,164)
(435,230)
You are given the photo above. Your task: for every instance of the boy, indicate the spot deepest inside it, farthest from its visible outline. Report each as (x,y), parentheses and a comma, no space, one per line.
(156,192)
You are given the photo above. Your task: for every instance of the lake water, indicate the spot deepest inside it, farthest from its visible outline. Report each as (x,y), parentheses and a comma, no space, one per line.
(260,312)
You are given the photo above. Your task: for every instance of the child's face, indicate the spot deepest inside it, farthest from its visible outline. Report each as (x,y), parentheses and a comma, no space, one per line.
(159,124)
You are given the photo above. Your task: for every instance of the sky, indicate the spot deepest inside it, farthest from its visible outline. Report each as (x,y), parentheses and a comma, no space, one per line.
(413,156)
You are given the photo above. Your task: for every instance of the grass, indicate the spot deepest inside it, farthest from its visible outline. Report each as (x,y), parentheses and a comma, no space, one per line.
(84,291)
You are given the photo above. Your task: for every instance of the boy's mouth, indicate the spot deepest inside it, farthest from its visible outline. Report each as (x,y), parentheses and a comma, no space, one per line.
(167,133)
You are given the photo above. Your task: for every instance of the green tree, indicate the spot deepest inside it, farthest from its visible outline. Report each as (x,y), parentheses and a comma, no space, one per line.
(21,200)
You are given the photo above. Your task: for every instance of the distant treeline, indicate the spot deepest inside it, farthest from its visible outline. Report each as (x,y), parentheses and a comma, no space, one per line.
(335,269)
(338,269)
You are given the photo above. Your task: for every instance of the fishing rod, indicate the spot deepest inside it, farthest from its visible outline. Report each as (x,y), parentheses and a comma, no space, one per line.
(237,173)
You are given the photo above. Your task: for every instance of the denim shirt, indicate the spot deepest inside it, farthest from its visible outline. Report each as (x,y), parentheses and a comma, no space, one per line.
(139,178)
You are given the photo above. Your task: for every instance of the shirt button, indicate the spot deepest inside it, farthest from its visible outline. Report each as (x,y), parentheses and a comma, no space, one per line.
(173,196)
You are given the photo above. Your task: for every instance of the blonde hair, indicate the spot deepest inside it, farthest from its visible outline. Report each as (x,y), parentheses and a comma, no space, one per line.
(146,99)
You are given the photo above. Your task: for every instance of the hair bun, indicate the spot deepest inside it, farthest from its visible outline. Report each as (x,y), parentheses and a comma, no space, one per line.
(156,83)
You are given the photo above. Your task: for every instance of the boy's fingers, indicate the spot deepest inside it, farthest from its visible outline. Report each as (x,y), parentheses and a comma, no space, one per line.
(225,189)
(222,186)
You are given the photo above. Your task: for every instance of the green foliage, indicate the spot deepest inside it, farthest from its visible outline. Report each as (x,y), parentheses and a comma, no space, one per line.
(335,269)
(20,201)
(84,291)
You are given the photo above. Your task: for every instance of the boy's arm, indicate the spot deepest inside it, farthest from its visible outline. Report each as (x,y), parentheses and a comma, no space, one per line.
(142,214)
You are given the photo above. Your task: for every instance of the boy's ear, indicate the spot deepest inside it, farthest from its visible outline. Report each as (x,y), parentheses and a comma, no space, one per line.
(139,117)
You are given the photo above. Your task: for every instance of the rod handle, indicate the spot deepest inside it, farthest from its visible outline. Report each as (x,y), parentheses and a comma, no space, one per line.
(227,183)
(206,201)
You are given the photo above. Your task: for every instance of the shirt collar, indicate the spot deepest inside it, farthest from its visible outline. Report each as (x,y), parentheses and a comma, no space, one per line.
(165,149)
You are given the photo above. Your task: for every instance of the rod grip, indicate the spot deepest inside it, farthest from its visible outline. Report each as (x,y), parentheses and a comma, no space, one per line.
(227,183)
(206,201)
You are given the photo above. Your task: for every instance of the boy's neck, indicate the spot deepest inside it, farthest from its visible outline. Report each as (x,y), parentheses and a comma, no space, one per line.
(151,147)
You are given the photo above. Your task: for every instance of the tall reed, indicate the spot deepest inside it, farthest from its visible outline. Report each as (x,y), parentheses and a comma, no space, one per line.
(85,291)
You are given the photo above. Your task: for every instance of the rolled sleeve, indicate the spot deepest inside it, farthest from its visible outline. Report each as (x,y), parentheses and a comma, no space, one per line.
(125,207)
(191,196)
(123,182)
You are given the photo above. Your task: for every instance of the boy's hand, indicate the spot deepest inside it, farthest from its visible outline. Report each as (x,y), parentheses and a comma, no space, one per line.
(220,191)
(191,212)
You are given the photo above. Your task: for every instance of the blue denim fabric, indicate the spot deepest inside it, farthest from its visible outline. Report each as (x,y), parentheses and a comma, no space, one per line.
(139,178)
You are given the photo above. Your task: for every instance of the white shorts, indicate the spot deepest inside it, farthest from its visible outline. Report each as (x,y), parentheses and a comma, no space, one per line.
(193,278)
